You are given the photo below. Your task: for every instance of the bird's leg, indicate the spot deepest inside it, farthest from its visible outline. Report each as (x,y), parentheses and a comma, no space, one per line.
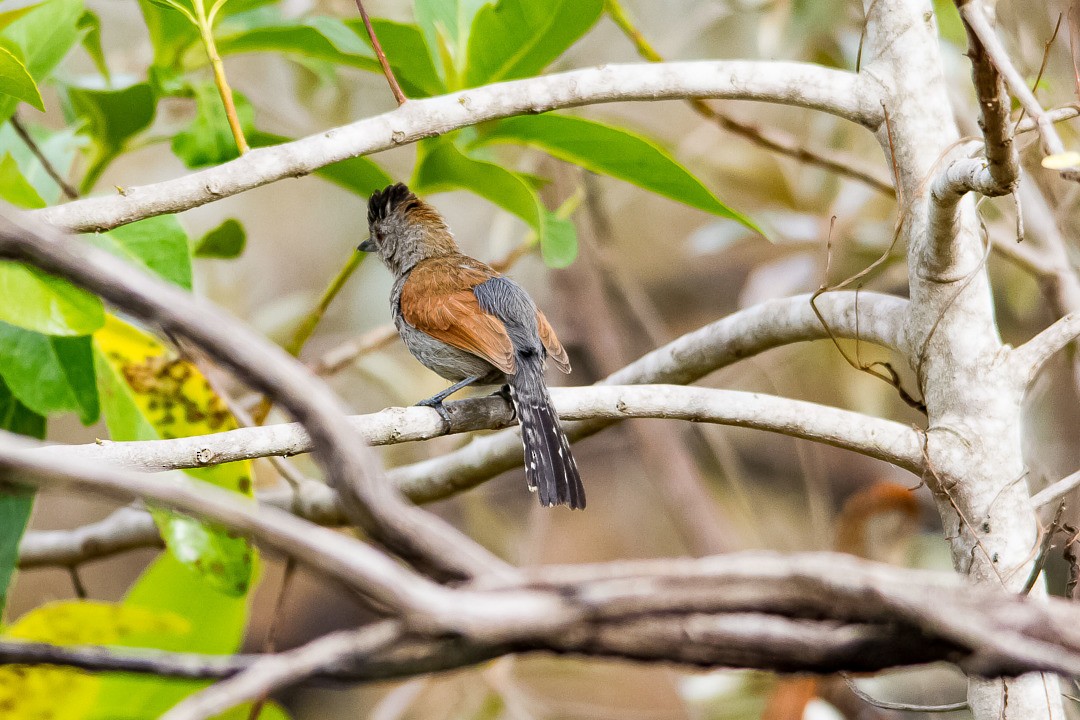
(505,393)
(436,400)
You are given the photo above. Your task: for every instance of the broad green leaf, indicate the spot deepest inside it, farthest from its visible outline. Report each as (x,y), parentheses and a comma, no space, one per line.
(442,167)
(612,151)
(217,622)
(48,373)
(446,24)
(15,188)
(147,394)
(15,80)
(407,54)
(40,39)
(111,118)
(60,147)
(208,139)
(158,244)
(10,16)
(15,503)
(46,304)
(90,24)
(171,34)
(359,174)
(65,693)
(320,37)
(225,241)
(519,38)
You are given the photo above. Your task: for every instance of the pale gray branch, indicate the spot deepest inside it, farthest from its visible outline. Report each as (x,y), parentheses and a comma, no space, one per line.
(1030,357)
(272,672)
(842,93)
(350,466)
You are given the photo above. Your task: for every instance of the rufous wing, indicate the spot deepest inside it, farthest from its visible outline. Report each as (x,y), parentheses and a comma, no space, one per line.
(438,299)
(556,352)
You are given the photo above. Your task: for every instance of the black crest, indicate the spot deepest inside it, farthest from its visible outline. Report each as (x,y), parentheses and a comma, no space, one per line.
(383,203)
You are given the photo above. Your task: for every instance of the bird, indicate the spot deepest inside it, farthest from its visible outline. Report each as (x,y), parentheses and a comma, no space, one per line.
(472,325)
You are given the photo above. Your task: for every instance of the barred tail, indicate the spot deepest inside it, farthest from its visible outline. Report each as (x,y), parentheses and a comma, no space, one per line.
(550,468)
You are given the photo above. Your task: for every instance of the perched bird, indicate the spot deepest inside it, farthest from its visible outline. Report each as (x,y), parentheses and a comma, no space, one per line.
(469,324)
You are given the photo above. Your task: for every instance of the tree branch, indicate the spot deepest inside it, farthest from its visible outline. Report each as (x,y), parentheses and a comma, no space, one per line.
(349,465)
(802,84)
(1032,355)
(272,672)
(882,439)
(1003,161)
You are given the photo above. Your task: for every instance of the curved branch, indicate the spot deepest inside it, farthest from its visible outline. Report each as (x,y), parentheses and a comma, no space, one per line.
(350,466)
(882,439)
(1029,358)
(802,84)
(740,335)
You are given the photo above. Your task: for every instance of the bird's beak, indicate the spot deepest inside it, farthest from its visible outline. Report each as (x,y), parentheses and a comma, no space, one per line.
(367,246)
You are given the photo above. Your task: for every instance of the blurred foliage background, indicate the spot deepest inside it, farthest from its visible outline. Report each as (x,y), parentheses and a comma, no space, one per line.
(130,100)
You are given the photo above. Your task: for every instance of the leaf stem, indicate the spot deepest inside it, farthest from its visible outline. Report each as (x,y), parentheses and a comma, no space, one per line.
(387,71)
(206,32)
(308,325)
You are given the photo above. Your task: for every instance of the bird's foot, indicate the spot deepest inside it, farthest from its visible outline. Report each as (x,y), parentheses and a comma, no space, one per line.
(436,404)
(505,393)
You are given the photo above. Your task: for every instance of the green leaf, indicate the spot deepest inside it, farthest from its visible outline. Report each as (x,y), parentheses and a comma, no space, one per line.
(15,80)
(318,37)
(158,244)
(519,38)
(612,151)
(208,140)
(48,373)
(111,118)
(90,24)
(361,175)
(446,24)
(407,53)
(114,116)
(46,304)
(15,503)
(15,188)
(442,167)
(40,39)
(148,394)
(225,241)
(10,16)
(217,622)
(171,34)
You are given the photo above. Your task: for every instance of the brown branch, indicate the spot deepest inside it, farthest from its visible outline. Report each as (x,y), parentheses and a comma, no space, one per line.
(387,71)
(22,132)
(1004,163)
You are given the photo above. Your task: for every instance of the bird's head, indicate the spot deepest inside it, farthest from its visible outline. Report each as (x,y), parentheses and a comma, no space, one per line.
(404,229)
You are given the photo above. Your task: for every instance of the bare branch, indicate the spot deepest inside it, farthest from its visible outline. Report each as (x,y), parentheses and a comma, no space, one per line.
(349,465)
(272,672)
(802,84)
(1030,357)
(1001,155)
(738,336)
(979,27)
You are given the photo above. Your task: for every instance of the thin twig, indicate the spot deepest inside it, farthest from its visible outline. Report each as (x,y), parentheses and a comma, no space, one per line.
(21,131)
(273,672)
(905,707)
(387,71)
